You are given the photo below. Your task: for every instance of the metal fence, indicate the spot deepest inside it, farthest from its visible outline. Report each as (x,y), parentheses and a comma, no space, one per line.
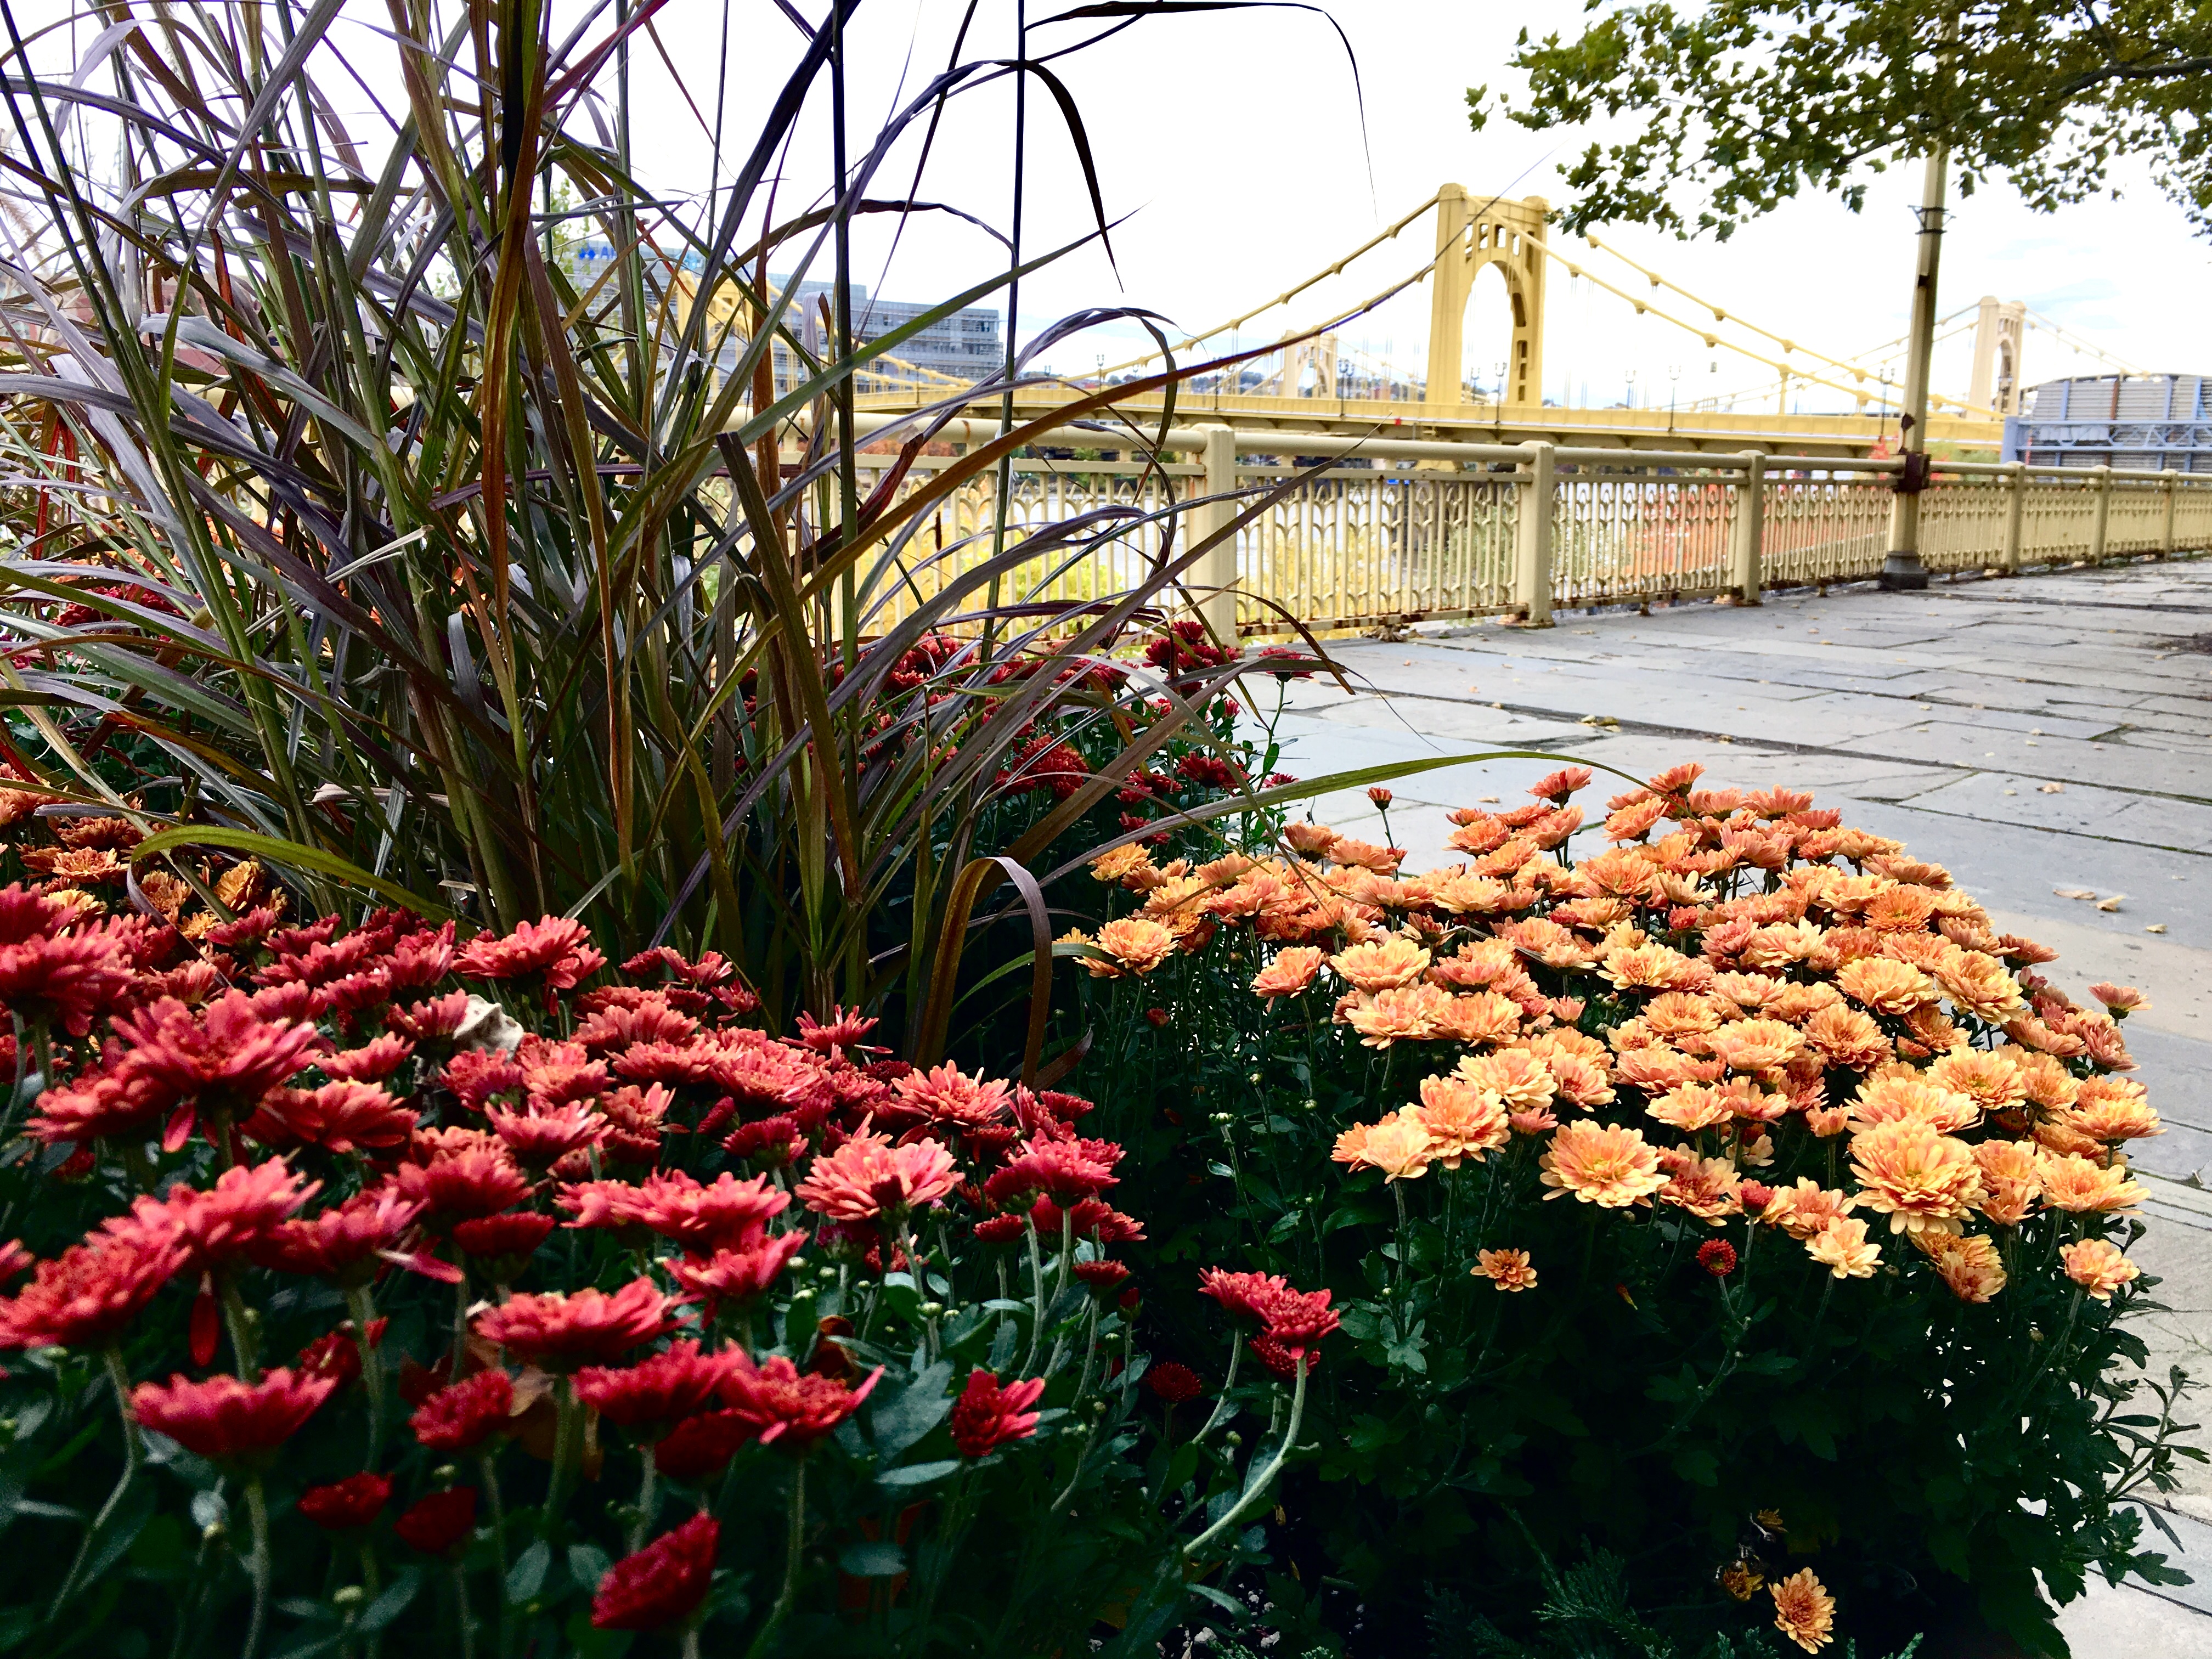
(1400,532)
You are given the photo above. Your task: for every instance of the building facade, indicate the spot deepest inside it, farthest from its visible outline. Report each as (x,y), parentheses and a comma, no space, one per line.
(2158,421)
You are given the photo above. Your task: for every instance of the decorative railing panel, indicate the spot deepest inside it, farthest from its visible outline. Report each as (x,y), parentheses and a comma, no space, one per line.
(1638,537)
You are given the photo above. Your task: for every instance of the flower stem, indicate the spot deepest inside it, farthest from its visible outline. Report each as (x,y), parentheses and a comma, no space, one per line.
(1254,1491)
(243,1350)
(256,1513)
(566,1452)
(363,1309)
(134,1459)
(646,1505)
(1221,1402)
(789,1592)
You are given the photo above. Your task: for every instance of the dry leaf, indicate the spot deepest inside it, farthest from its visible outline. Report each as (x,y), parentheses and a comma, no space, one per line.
(1490,799)
(2112,903)
(2155,928)
(2052,788)
(2074,892)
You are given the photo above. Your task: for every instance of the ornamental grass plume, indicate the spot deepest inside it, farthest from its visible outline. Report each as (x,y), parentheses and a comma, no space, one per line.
(227,1419)
(868,1176)
(661,1584)
(2098,1267)
(990,1414)
(561,1330)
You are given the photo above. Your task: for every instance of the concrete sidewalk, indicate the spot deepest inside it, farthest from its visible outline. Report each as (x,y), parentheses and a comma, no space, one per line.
(2049,739)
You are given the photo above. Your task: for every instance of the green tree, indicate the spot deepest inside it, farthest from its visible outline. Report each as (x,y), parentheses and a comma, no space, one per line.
(1742,104)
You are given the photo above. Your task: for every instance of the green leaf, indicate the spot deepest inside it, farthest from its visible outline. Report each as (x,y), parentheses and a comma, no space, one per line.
(1697,1465)
(912,1413)
(394,1600)
(918,1474)
(587,1564)
(527,1576)
(275,850)
(873,1559)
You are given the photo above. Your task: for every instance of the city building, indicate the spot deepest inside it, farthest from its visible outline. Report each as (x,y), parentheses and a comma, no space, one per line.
(2160,421)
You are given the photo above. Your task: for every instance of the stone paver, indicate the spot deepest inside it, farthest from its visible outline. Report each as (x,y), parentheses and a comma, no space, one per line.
(2041,736)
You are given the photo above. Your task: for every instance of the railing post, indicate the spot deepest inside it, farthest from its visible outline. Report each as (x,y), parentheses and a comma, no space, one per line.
(2165,529)
(2016,514)
(1745,574)
(1214,575)
(1532,574)
(2101,518)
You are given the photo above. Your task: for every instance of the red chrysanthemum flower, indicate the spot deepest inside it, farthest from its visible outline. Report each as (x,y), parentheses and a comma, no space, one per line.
(462,1174)
(479,1077)
(1092,1219)
(542,1136)
(432,1020)
(337,1354)
(725,1214)
(1174,1382)
(1294,1321)
(1102,1275)
(89,1295)
(663,1584)
(560,1331)
(843,1030)
(518,1233)
(221,1059)
(554,952)
(344,1116)
(47,975)
(457,1419)
(107,1105)
(1717,1257)
(698,1448)
(616,1027)
(434,1524)
(347,1242)
(782,1403)
(1001,1229)
(345,1504)
(777,1142)
(242,1212)
(374,1062)
(737,1276)
(660,1388)
(868,1176)
(1061,1171)
(226,1418)
(990,1413)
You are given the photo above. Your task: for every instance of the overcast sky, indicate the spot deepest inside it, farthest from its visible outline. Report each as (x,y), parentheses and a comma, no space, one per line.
(1236,149)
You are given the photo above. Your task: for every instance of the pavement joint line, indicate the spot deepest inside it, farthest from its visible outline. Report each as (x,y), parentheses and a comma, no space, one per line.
(1779,745)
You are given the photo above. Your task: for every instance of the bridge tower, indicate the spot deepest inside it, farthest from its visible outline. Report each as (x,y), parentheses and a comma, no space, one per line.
(1472,232)
(1998,335)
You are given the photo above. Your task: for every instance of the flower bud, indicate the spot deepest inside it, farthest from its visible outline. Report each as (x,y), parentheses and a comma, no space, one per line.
(348,1597)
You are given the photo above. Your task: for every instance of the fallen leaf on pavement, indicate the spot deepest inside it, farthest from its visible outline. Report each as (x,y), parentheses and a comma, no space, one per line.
(2155,928)
(2112,903)
(2074,892)
(2052,788)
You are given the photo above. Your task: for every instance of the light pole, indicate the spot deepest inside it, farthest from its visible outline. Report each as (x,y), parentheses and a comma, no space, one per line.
(1902,571)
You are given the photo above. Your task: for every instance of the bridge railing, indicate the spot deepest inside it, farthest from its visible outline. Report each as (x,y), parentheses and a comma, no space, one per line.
(1376,532)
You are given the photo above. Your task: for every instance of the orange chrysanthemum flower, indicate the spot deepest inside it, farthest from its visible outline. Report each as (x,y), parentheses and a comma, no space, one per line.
(1885,987)
(1968,1263)
(1607,1164)
(1383,964)
(2012,1179)
(1137,943)
(1485,1017)
(1409,1012)
(868,1176)
(2074,1184)
(2113,1108)
(1803,1611)
(1903,1098)
(1508,1270)
(1462,1121)
(2097,1266)
(1920,1179)
(1691,1107)
(1399,1147)
(1841,1246)
(1290,973)
(1521,1081)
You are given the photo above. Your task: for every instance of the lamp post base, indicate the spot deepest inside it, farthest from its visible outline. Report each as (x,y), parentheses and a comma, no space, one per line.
(1902,573)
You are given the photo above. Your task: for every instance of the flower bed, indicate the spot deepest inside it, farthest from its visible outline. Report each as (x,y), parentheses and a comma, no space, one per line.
(1705,1221)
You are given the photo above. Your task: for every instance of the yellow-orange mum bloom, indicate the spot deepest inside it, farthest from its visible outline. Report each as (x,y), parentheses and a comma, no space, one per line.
(1485,1017)
(1383,964)
(1968,1263)
(1990,1077)
(1137,943)
(1521,1081)
(1754,1045)
(1508,1270)
(1803,1611)
(2012,1178)
(1121,862)
(1462,1121)
(1602,1164)
(1409,1012)
(2120,998)
(1290,973)
(1920,1179)
(1848,1037)
(1707,1188)
(1650,967)
(1981,985)
(2095,1266)
(1806,1208)
(2113,1109)
(1691,1107)
(1399,1147)
(1899,1098)
(1885,987)
(2073,1182)
(1841,1246)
